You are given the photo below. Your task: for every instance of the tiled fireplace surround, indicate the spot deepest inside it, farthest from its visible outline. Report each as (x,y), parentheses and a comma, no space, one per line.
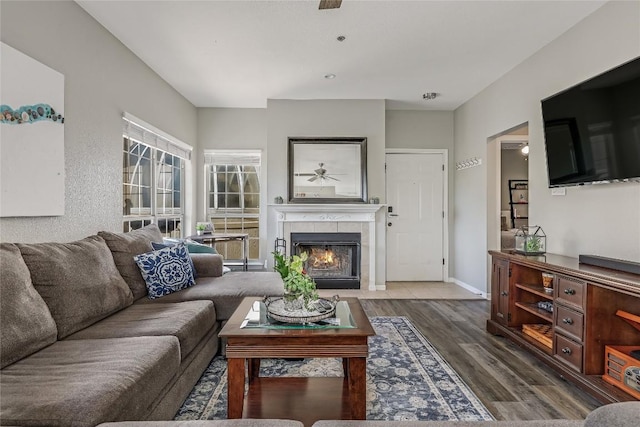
(334,218)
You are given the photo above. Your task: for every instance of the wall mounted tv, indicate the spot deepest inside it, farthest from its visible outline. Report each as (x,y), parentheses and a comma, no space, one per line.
(592,130)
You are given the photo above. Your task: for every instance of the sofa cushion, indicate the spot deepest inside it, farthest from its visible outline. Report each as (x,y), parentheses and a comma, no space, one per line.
(86,382)
(200,248)
(188,321)
(27,325)
(166,270)
(124,246)
(229,290)
(79,281)
(192,246)
(620,414)
(208,265)
(208,423)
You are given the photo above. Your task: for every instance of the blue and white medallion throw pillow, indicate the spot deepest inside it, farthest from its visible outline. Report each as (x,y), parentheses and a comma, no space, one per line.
(166,270)
(158,246)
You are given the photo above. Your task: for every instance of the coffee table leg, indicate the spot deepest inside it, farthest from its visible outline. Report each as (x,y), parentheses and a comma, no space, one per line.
(358,387)
(235,387)
(254,369)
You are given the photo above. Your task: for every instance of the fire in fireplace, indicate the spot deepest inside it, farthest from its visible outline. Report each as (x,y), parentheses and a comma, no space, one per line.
(328,262)
(333,258)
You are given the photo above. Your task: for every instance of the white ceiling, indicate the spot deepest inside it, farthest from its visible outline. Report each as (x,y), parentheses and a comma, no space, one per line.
(241,53)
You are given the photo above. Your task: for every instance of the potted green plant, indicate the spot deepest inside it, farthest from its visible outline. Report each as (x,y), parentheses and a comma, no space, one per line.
(200,229)
(299,288)
(533,244)
(530,240)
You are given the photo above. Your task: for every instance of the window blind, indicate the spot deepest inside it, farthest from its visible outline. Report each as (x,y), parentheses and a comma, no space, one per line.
(232,157)
(138,130)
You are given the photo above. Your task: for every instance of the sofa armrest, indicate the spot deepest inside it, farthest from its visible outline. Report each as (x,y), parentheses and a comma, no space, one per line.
(207,265)
(614,415)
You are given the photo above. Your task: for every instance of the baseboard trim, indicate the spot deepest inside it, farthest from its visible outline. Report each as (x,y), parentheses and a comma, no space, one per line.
(469,288)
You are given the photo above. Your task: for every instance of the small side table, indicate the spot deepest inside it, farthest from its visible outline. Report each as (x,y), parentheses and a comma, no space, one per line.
(213,238)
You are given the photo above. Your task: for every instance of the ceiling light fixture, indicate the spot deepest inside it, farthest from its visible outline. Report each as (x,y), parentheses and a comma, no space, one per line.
(329,76)
(429,95)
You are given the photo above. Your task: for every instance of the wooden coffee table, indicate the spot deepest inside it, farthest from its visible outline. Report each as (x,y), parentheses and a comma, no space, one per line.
(246,346)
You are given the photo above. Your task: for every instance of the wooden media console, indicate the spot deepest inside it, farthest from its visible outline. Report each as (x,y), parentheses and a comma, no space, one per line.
(571,336)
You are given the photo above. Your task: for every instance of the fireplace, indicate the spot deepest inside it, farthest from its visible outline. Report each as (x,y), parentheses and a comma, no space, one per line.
(333,258)
(336,218)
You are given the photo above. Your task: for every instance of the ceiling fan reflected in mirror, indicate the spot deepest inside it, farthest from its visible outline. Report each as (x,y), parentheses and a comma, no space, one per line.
(318,174)
(329,4)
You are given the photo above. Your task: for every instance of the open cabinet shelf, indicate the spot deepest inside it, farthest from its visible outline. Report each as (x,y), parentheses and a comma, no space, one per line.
(588,311)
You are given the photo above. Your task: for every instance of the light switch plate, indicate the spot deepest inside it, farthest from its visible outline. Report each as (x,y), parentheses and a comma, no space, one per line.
(561,191)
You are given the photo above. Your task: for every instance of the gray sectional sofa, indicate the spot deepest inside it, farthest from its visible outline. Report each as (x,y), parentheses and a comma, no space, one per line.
(625,414)
(81,343)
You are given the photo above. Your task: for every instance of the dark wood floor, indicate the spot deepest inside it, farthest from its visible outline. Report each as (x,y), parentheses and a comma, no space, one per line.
(511,383)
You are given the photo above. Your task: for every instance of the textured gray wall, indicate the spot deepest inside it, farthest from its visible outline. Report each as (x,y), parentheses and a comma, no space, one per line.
(419,129)
(326,118)
(103,79)
(601,219)
(235,128)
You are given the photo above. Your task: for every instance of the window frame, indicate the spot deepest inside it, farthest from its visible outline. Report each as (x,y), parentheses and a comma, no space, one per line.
(217,214)
(160,145)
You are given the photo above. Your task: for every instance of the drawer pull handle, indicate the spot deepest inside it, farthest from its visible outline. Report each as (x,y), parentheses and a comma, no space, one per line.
(504,293)
(566,350)
(569,291)
(567,320)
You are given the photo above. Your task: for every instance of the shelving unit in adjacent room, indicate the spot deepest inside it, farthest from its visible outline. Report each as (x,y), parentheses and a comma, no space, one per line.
(519,202)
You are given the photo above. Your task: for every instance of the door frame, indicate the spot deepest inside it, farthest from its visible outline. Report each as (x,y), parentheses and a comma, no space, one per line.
(445,200)
(494,173)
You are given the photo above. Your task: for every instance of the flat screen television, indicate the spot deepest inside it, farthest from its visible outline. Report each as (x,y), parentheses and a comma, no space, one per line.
(592,130)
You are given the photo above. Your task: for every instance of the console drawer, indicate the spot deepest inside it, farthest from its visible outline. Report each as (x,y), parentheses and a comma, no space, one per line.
(571,291)
(568,351)
(569,322)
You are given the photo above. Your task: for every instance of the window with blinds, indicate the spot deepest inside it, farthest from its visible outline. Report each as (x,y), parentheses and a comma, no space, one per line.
(153,178)
(233,197)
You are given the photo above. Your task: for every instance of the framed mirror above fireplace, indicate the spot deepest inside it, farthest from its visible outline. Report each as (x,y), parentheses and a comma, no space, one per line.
(328,170)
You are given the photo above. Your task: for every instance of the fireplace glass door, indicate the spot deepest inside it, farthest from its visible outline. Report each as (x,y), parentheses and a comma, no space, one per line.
(333,258)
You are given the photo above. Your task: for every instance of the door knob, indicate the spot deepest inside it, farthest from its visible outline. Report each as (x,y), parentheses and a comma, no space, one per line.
(389,224)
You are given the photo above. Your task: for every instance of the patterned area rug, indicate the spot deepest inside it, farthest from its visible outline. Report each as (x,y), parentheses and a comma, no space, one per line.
(407,379)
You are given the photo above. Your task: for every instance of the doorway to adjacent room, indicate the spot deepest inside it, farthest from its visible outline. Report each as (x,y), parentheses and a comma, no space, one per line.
(508,181)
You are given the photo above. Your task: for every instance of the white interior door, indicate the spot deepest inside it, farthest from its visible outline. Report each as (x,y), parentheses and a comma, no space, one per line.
(415,222)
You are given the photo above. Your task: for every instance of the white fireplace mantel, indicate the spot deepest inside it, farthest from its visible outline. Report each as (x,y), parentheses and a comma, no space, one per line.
(325,213)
